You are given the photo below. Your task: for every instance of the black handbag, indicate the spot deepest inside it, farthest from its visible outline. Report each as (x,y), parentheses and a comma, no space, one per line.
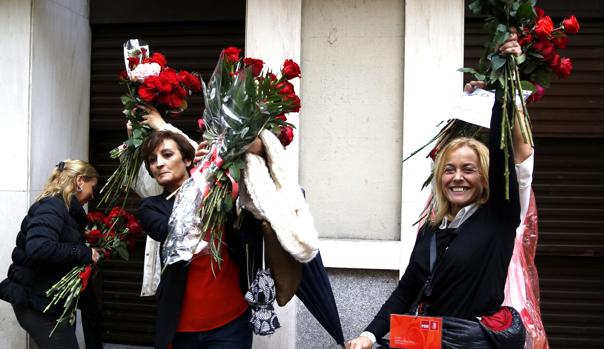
(467,334)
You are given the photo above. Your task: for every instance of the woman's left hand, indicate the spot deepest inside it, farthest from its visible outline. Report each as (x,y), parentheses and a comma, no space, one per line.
(201,151)
(256,147)
(511,45)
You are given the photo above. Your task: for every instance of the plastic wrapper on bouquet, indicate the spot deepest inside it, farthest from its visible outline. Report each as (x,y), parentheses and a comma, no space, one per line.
(241,100)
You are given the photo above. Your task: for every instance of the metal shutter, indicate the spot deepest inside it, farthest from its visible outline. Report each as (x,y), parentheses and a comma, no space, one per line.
(569,180)
(195,45)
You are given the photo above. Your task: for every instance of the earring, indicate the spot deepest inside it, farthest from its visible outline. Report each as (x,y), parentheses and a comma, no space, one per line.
(78,189)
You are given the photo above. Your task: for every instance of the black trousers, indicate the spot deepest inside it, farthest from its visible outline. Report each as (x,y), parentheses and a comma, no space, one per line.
(39,326)
(237,334)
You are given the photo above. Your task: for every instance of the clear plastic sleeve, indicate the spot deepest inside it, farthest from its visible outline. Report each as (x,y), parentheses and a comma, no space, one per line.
(522,285)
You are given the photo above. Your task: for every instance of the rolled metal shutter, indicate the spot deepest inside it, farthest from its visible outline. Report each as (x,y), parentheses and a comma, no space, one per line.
(194,45)
(569,180)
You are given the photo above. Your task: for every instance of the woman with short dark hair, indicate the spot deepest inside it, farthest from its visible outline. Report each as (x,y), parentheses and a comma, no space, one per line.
(197,307)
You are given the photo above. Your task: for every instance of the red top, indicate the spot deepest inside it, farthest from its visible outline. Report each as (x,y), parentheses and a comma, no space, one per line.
(211,301)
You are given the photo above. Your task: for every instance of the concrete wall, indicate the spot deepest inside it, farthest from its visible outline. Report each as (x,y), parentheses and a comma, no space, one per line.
(45,98)
(352,116)
(376,76)
(15,19)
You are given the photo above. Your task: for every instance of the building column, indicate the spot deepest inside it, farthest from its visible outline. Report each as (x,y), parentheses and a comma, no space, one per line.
(45,98)
(272,33)
(433,53)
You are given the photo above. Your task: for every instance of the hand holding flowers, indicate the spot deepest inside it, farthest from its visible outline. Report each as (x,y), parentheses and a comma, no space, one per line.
(509,73)
(152,88)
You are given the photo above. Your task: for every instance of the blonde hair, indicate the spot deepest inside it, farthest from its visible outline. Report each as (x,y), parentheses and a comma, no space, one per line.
(442,205)
(63,179)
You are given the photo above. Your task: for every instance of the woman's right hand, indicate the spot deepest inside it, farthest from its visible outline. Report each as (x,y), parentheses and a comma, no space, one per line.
(360,342)
(153,118)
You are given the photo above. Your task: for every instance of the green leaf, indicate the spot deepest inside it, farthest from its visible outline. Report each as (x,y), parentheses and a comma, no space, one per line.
(525,12)
(475,7)
(125,99)
(235,172)
(527,86)
(122,251)
(467,70)
(542,77)
(497,61)
(520,59)
(227,204)
(528,67)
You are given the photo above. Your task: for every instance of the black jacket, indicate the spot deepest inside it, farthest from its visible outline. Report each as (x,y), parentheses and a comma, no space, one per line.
(49,244)
(153,214)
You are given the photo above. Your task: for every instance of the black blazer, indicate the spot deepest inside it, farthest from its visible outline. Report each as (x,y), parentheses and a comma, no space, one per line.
(49,244)
(153,214)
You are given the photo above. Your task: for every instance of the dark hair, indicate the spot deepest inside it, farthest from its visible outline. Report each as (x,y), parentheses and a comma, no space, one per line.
(158,137)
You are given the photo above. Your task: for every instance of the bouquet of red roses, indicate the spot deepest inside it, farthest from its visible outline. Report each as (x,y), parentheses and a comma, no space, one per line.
(241,99)
(114,234)
(511,75)
(541,43)
(149,81)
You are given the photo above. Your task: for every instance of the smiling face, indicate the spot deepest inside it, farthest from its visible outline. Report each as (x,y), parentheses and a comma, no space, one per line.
(461,181)
(167,165)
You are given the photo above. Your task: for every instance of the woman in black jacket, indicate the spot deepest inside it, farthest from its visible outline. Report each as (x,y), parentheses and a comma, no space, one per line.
(459,263)
(49,244)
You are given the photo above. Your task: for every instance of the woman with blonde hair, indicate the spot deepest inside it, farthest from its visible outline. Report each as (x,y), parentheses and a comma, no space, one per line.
(459,264)
(49,244)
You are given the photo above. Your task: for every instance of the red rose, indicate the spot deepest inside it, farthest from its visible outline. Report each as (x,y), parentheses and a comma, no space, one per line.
(527,39)
(272,76)
(286,136)
(555,61)
(539,11)
(563,69)
(134,228)
(285,88)
(123,75)
(290,69)
(85,276)
(107,221)
(549,53)
(281,117)
(159,59)
(231,54)
(167,80)
(191,81)
(540,45)
(93,236)
(537,95)
(133,62)
(571,25)
(173,100)
(560,41)
(294,102)
(544,27)
(117,211)
(256,64)
(95,216)
(146,94)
